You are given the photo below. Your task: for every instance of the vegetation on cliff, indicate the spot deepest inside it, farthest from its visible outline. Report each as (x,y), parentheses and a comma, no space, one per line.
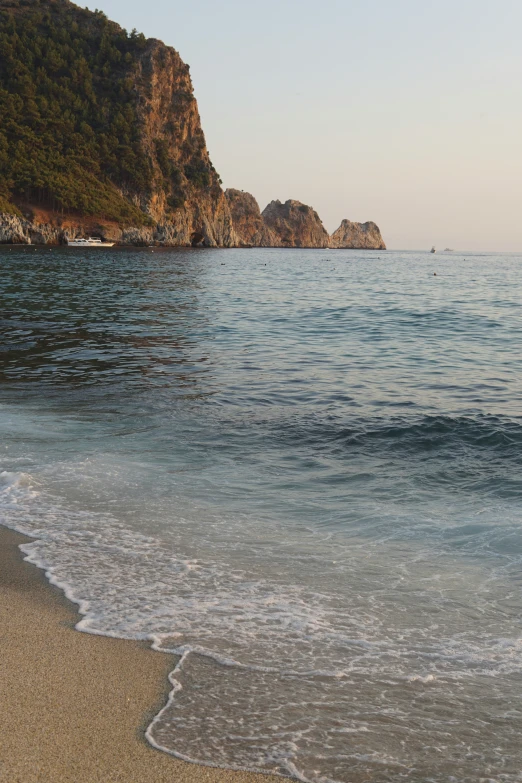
(100,132)
(70,131)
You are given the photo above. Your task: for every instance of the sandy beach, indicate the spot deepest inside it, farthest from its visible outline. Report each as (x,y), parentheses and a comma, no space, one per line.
(75,706)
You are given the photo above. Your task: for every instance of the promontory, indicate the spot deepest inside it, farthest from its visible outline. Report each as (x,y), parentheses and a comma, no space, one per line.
(100,134)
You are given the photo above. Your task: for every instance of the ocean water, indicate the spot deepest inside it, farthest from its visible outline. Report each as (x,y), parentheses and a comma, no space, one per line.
(301,471)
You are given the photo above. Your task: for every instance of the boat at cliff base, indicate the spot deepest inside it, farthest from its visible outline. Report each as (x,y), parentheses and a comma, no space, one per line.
(89,242)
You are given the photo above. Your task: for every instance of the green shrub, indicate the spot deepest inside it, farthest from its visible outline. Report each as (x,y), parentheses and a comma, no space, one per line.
(197,172)
(7,208)
(175,202)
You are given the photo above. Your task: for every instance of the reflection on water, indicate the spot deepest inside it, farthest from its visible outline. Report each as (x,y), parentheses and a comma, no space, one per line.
(106,321)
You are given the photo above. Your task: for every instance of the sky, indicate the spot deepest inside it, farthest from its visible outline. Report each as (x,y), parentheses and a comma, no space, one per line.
(404,112)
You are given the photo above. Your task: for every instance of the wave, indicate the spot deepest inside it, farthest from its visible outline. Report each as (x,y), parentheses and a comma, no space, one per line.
(272,671)
(415,435)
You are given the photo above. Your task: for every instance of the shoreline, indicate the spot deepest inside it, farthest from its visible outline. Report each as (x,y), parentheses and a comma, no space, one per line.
(163,246)
(75,706)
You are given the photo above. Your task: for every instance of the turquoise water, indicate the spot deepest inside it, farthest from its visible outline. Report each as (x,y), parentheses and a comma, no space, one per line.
(300,471)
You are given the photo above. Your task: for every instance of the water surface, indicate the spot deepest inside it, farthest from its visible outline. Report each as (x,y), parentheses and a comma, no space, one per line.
(300,471)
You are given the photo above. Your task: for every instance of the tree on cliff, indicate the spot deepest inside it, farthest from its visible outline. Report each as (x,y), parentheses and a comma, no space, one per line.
(69,136)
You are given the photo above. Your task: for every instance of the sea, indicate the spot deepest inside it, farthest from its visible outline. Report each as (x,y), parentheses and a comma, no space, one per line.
(300,471)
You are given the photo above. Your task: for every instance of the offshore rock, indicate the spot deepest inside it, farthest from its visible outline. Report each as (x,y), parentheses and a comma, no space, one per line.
(250,228)
(360,236)
(295,224)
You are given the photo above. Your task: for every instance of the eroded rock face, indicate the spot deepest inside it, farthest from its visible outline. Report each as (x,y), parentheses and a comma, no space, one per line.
(250,228)
(19,231)
(173,139)
(180,200)
(295,224)
(360,236)
(184,197)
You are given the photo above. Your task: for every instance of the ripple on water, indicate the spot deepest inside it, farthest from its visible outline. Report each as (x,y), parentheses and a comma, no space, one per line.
(303,479)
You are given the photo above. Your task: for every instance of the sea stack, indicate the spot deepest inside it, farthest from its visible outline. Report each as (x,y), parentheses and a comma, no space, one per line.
(361,236)
(249,226)
(295,224)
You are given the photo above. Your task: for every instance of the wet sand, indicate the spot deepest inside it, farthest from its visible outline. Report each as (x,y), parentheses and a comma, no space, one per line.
(73,706)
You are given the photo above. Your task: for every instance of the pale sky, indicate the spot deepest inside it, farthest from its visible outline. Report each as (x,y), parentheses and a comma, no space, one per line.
(404,112)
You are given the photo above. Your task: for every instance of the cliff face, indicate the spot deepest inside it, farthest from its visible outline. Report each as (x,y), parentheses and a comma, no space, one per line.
(101,127)
(186,200)
(100,135)
(250,228)
(295,224)
(357,235)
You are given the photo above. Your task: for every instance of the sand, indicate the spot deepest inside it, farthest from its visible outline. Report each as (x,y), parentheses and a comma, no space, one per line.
(73,706)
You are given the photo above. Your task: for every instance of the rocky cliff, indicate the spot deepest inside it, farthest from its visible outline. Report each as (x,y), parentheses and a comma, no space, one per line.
(242,225)
(186,200)
(295,224)
(100,127)
(251,230)
(357,235)
(100,134)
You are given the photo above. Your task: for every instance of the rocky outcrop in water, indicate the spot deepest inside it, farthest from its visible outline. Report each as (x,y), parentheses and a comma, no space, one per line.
(295,224)
(251,230)
(362,236)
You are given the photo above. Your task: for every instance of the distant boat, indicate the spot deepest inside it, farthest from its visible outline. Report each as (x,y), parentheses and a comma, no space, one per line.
(448,250)
(433,249)
(89,242)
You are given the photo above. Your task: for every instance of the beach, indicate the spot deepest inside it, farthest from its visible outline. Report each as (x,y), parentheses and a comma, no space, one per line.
(75,706)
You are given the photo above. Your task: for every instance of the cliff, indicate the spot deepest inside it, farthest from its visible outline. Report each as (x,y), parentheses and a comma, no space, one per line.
(251,230)
(295,224)
(357,235)
(100,134)
(99,125)
(185,199)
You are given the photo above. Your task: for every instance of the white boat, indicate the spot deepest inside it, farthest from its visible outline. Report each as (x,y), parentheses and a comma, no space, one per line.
(433,249)
(89,242)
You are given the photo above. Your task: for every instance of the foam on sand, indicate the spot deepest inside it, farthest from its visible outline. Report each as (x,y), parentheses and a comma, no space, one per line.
(74,707)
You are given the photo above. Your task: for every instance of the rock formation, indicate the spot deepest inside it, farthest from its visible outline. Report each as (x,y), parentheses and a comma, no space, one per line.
(195,211)
(295,224)
(143,168)
(118,150)
(251,230)
(357,235)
